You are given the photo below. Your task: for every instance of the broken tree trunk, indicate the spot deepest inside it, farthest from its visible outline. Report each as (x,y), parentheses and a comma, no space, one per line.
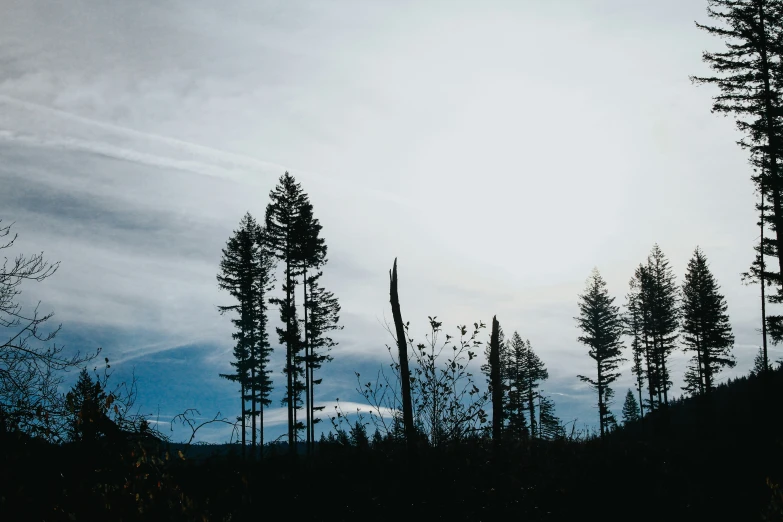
(405,380)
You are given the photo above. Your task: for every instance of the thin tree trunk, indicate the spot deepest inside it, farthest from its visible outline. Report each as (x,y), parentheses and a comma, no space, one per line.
(289,357)
(771,137)
(707,371)
(641,403)
(651,376)
(497,390)
(244,412)
(253,385)
(531,406)
(762,279)
(402,346)
(312,405)
(308,382)
(699,358)
(600,400)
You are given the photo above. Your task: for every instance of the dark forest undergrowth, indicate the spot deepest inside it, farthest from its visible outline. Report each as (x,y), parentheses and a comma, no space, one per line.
(694,461)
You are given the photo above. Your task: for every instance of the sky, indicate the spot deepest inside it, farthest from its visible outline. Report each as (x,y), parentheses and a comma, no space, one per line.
(499,150)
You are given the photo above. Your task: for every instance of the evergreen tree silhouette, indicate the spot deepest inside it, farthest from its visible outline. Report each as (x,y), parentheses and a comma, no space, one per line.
(640,301)
(497,384)
(664,317)
(634,328)
(601,323)
(758,363)
(246,273)
(748,74)
(86,403)
(505,361)
(261,349)
(518,380)
(323,316)
(533,372)
(284,237)
(705,326)
(549,425)
(321,311)
(630,408)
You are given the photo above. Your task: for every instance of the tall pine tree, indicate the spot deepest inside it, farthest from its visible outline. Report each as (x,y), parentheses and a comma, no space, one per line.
(549,425)
(284,236)
(630,408)
(533,372)
(261,350)
(602,326)
(634,328)
(661,315)
(517,407)
(246,271)
(748,74)
(321,311)
(705,326)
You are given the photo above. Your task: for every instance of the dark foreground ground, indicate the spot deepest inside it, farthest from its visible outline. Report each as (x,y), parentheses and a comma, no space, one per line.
(697,461)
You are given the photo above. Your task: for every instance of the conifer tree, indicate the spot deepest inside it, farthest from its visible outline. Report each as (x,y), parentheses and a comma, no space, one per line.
(311,256)
(663,316)
(260,374)
(630,408)
(284,237)
(533,372)
(601,324)
(505,362)
(640,304)
(246,273)
(237,275)
(705,326)
(517,407)
(497,385)
(758,363)
(85,403)
(748,74)
(633,328)
(323,316)
(549,425)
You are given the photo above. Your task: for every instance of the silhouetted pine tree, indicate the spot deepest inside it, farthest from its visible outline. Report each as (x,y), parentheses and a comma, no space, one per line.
(663,317)
(705,325)
(517,407)
(758,363)
(549,425)
(497,384)
(634,328)
(748,76)
(533,372)
(323,315)
(311,257)
(601,323)
(284,236)
(260,380)
(85,403)
(641,297)
(630,408)
(505,361)
(246,273)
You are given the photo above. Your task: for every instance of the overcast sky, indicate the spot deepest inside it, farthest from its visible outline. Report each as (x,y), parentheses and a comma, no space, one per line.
(500,150)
